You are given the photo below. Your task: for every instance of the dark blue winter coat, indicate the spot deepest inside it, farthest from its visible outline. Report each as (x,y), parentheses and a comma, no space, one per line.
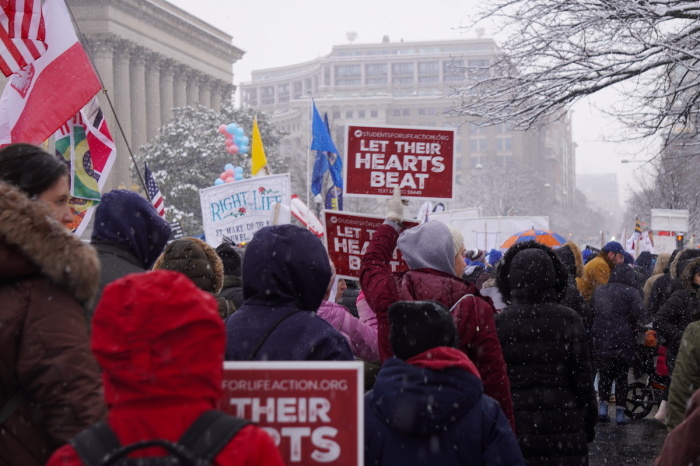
(618,308)
(286,272)
(421,416)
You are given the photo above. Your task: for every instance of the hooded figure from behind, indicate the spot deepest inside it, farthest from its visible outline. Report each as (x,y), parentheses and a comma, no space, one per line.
(232,258)
(200,263)
(428,404)
(160,343)
(128,235)
(286,272)
(546,351)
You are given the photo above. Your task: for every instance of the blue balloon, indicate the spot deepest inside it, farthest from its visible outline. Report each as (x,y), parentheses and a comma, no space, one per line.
(238,176)
(238,140)
(238,170)
(228,166)
(243,149)
(239,131)
(218,182)
(244,141)
(231,128)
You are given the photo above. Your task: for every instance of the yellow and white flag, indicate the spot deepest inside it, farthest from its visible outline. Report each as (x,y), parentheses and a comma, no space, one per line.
(258,161)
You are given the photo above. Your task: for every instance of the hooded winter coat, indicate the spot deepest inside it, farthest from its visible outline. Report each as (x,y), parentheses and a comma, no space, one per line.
(618,307)
(160,343)
(46,275)
(201,264)
(431,410)
(675,315)
(431,281)
(681,446)
(286,272)
(128,235)
(670,282)
(595,273)
(686,373)
(546,350)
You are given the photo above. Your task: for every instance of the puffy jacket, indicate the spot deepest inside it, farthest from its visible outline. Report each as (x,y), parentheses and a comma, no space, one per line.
(545,346)
(686,374)
(595,273)
(431,410)
(361,336)
(286,272)
(46,274)
(160,342)
(677,312)
(472,314)
(618,307)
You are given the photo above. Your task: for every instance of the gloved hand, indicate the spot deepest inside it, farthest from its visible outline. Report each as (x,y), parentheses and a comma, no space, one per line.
(318,198)
(394,206)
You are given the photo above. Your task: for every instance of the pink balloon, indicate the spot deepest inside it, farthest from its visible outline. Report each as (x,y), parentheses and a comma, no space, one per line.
(229,179)
(223,176)
(222,129)
(232,149)
(229,172)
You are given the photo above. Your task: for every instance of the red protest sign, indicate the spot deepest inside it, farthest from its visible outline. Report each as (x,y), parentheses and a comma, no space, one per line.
(347,238)
(418,160)
(312,410)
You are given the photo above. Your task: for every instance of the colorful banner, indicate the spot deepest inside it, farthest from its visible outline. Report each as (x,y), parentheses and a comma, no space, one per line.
(239,209)
(347,237)
(312,410)
(418,160)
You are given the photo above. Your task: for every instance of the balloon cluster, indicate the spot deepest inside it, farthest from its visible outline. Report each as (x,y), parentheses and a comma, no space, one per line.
(236,140)
(229,175)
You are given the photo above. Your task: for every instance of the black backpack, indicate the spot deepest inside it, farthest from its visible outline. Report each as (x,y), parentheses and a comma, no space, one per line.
(198,446)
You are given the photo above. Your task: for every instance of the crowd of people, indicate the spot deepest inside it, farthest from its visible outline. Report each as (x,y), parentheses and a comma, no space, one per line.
(471,357)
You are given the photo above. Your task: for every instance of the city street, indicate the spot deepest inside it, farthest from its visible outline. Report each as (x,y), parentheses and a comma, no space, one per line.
(636,443)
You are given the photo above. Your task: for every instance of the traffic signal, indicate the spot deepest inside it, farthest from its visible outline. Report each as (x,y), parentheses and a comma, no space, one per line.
(679,241)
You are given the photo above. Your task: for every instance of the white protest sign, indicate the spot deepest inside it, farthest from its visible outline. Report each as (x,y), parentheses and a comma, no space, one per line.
(237,210)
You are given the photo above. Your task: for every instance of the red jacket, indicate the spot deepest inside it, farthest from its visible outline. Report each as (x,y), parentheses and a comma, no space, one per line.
(160,341)
(473,315)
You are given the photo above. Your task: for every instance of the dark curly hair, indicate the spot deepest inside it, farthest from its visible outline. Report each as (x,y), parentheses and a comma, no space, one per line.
(30,168)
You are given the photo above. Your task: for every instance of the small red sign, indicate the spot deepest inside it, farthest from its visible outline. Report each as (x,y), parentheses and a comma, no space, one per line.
(347,238)
(418,160)
(312,410)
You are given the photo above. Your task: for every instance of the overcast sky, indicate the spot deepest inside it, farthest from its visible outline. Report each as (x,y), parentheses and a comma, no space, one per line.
(277,33)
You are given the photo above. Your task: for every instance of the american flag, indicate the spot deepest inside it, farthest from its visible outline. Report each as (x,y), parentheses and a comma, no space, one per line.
(154,192)
(22,34)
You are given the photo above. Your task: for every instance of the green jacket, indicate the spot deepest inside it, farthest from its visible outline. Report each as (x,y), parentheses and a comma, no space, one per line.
(686,375)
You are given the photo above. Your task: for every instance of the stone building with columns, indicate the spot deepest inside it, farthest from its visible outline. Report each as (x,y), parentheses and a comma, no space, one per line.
(152,57)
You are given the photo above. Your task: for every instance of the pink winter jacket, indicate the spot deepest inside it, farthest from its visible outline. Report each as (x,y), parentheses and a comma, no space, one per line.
(361,336)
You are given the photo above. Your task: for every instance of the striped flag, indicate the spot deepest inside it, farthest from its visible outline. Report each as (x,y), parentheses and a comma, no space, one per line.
(154,192)
(23,34)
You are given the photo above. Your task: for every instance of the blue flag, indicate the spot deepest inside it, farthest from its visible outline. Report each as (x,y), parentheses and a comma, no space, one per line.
(327,157)
(321,136)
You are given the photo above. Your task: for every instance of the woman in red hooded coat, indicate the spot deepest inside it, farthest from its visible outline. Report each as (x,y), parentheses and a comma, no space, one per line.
(160,341)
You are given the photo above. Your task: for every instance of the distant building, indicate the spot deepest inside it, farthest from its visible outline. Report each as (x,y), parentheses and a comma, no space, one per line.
(410,84)
(152,57)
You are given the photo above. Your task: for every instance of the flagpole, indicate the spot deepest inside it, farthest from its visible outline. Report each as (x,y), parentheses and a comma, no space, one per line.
(308,144)
(109,100)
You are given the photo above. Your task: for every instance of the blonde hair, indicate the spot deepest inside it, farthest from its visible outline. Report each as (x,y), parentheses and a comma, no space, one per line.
(457,239)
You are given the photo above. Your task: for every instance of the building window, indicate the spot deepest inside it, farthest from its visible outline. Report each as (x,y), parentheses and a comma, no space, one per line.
(477,145)
(376,70)
(428,79)
(427,111)
(453,70)
(504,128)
(327,76)
(360,114)
(347,75)
(267,95)
(476,129)
(283,93)
(396,112)
(297,89)
(431,67)
(402,80)
(374,113)
(348,114)
(336,115)
(504,144)
(402,69)
(405,112)
(251,97)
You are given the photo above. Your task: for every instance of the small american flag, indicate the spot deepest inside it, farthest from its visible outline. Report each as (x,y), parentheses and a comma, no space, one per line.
(22,34)
(154,192)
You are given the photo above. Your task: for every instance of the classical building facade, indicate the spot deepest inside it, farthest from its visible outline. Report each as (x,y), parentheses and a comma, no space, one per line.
(152,57)
(411,84)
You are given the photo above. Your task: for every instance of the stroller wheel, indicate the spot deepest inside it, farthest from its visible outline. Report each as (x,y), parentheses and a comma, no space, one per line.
(639,401)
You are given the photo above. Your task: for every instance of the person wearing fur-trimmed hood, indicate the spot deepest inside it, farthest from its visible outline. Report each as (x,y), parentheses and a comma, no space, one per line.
(546,351)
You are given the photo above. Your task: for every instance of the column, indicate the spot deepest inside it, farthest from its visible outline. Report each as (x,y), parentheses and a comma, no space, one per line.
(192,87)
(180,85)
(205,91)
(153,110)
(167,90)
(216,95)
(138,98)
(122,104)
